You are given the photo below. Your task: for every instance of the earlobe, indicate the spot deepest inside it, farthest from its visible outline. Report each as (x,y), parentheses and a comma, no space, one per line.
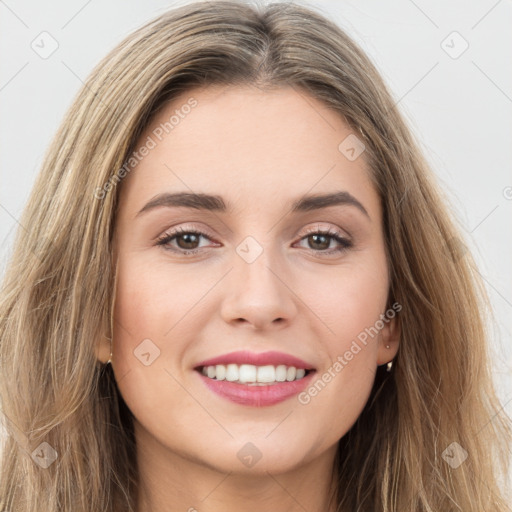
(389,341)
(103,350)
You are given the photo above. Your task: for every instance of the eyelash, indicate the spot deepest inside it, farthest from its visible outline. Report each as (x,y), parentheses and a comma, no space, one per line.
(169,237)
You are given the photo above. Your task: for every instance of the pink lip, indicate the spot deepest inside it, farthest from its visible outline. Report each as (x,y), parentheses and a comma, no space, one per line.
(261,359)
(257,396)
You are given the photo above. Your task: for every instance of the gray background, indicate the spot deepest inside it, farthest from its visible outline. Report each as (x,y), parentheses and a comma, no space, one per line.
(458,104)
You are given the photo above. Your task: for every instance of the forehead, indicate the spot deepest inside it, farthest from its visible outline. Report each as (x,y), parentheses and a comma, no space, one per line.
(246,144)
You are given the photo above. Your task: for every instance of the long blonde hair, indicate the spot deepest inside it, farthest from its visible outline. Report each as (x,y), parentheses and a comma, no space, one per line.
(70,443)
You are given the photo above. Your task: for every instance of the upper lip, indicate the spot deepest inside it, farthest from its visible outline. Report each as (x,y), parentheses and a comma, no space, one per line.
(257,359)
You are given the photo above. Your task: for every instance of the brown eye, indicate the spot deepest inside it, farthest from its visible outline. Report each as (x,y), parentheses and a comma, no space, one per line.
(186,240)
(320,241)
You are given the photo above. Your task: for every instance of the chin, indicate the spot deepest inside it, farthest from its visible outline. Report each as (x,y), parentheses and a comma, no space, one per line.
(257,456)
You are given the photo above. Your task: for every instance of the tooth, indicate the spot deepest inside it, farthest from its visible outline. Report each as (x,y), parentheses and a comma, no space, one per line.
(232,372)
(291,373)
(266,374)
(252,375)
(247,373)
(220,371)
(281,373)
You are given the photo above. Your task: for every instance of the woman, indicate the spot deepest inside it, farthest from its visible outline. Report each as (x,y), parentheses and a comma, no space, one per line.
(172,335)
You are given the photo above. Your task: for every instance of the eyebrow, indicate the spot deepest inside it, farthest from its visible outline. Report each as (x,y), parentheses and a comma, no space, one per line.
(216,203)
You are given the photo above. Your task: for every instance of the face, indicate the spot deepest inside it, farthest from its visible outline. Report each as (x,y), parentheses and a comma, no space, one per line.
(259,268)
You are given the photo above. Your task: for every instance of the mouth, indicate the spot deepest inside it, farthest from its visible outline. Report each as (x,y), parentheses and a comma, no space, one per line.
(253,375)
(255,379)
(255,386)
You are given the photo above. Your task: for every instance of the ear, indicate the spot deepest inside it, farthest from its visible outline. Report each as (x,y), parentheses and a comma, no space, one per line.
(388,336)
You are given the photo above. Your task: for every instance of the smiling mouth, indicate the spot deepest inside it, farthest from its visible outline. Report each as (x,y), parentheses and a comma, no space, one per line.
(253,375)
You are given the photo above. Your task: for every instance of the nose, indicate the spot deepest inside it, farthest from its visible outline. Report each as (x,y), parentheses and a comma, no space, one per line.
(259,294)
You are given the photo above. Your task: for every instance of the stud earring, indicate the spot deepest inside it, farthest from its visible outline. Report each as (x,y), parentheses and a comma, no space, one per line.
(387,346)
(389,366)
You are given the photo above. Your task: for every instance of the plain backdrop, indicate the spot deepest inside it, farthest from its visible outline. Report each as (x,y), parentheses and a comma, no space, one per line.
(446,63)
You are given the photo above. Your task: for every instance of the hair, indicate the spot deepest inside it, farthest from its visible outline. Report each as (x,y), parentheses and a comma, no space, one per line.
(59,287)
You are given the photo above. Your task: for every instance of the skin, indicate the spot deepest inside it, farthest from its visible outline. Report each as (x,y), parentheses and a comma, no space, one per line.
(260,150)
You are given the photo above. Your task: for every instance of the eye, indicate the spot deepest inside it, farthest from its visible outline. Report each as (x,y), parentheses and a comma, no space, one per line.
(322,240)
(186,239)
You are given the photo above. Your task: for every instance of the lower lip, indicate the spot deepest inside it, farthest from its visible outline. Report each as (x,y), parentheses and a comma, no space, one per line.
(257,396)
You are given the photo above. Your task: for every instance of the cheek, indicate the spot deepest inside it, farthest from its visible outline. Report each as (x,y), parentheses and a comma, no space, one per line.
(153,302)
(157,312)
(350,305)
(147,315)
(351,300)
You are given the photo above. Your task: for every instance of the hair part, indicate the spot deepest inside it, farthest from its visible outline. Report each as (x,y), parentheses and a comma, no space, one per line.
(60,279)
